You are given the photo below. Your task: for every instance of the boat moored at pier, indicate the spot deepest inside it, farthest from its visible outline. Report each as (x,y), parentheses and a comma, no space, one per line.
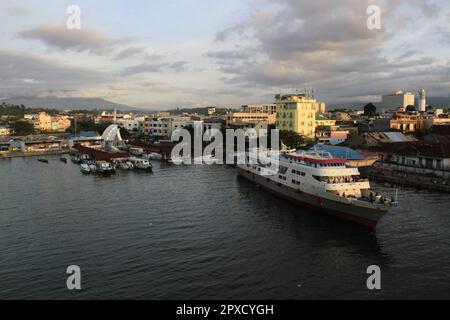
(104,168)
(316,180)
(142,164)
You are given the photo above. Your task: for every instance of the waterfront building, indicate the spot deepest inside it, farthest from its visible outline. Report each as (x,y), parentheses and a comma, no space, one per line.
(44,122)
(5,131)
(131,125)
(297,112)
(397,100)
(163,127)
(376,139)
(418,157)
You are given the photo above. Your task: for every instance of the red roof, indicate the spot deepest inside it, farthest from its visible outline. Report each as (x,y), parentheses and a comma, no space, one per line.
(313,160)
(99,154)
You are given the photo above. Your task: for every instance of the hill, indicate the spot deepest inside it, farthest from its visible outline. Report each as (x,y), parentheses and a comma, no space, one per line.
(68,103)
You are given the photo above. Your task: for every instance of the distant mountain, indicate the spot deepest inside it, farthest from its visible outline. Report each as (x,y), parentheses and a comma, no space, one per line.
(438,102)
(68,103)
(435,102)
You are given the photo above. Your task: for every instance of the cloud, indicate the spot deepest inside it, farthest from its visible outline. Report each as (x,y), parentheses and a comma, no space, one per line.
(325,44)
(178,66)
(136,52)
(17,10)
(228,54)
(22,73)
(83,40)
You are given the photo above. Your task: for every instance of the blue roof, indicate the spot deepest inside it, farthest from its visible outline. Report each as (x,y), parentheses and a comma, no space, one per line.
(339,152)
(86,134)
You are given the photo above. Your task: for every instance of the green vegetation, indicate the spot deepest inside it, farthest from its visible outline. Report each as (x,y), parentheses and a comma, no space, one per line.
(20,110)
(370,110)
(410,108)
(22,128)
(339,110)
(293,139)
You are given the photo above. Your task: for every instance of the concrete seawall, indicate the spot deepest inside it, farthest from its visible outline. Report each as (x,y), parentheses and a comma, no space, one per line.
(410,180)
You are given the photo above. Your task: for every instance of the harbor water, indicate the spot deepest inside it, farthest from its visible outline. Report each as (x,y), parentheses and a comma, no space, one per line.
(199,232)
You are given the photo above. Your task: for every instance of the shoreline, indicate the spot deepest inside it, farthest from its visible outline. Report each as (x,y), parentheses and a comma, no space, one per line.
(32,154)
(415,181)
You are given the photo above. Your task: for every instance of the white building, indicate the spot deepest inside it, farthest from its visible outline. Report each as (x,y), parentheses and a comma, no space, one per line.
(131,125)
(5,131)
(394,101)
(422,100)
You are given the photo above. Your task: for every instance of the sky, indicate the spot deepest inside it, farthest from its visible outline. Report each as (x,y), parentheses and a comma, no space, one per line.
(188,53)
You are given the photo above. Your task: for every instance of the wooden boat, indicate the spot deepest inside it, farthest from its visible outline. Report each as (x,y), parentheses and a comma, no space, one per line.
(42,160)
(104,168)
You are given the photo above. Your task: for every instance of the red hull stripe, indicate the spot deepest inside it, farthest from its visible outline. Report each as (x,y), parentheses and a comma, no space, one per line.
(312,160)
(361,221)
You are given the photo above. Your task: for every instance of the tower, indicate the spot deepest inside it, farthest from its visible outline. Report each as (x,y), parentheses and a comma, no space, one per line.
(422,100)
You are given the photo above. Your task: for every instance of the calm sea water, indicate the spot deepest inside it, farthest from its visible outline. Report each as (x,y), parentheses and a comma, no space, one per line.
(199,232)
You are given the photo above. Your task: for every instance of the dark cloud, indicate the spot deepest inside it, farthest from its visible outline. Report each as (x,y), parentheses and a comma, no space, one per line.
(83,40)
(136,52)
(178,66)
(228,54)
(325,44)
(23,73)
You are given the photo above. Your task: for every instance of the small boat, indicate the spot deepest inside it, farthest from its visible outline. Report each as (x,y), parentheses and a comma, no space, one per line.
(153,156)
(105,168)
(130,165)
(63,159)
(75,159)
(85,168)
(42,160)
(142,164)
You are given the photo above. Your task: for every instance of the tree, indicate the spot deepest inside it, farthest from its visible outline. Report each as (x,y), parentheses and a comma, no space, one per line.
(293,139)
(22,128)
(370,110)
(410,108)
(124,133)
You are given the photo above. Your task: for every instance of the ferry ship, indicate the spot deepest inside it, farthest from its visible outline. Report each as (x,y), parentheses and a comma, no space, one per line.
(316,180)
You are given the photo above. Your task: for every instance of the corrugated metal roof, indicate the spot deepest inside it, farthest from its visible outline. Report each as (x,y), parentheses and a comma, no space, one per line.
(396,136)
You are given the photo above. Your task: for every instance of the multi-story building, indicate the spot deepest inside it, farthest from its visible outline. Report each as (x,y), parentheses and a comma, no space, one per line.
(5,130)
(259,108)
(42,122)
(131,125)
(397,100)
(60,123)
(330,135)
(162,127)
(236,118)
(297,112)
(46,123)
(406,121)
